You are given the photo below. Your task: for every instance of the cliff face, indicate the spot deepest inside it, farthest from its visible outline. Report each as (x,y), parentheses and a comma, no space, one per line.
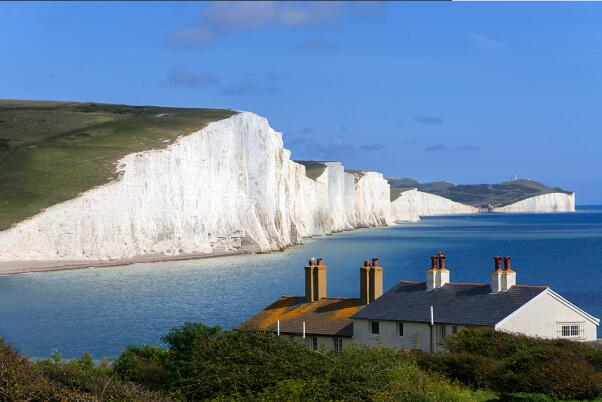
(228,187)
(552,202)
(412,204)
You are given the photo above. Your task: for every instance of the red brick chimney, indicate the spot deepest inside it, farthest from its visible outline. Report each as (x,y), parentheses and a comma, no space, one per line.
(376,281)
(365,283)
(315,280)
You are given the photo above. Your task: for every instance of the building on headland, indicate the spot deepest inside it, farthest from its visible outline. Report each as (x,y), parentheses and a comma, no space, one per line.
(419,315)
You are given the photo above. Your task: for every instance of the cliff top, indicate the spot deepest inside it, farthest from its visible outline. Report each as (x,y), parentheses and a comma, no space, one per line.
(396,191)
(479,195)
(52,151)
(313,169)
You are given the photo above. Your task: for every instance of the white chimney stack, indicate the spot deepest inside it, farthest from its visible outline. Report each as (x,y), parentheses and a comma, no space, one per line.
(496,275)
(437,276)
(509,276)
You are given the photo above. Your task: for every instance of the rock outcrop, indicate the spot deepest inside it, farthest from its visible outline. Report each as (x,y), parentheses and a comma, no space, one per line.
(411,204)
(552,202)
(228,187)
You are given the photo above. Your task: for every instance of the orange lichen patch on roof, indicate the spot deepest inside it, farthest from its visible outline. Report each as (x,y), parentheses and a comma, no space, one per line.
(329,316)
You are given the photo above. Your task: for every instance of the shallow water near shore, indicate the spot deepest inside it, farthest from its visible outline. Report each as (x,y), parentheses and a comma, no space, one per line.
(102,310)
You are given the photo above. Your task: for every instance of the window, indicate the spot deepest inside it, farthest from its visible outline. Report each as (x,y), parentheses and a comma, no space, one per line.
(400,328)
(454,329)
(314,342)
(374,327)
(570,329)
(338,344)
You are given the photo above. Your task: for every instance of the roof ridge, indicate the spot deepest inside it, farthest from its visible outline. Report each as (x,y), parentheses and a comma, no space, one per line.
(531,286)
(466,284)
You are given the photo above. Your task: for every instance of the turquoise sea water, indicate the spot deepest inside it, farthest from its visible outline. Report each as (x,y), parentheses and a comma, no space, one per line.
(102,310)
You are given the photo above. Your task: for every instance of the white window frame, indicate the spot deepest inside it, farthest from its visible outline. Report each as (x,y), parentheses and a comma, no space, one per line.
(338,344)
(571,329)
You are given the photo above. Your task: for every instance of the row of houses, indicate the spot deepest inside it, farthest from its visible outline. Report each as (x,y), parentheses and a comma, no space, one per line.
(419,315)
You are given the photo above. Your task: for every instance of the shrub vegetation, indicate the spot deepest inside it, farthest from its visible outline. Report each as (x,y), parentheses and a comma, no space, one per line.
(208,363)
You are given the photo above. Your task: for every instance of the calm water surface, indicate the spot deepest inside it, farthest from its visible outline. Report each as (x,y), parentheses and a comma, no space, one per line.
(102,310)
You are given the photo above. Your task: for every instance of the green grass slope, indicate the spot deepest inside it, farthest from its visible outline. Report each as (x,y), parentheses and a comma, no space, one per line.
(52,151)
(313,169)
(478,195)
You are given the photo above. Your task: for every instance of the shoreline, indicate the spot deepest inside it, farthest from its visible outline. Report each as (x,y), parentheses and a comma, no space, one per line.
(32,266)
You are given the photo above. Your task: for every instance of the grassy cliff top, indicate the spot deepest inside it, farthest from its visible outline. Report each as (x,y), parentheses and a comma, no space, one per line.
(313,169)
(396,191)
(52,151)
(478,195)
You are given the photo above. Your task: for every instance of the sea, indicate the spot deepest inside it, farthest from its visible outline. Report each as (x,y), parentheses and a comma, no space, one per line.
(102,310)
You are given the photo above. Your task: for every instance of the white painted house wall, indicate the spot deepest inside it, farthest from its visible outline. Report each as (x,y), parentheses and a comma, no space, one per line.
(542,316)
(416,335)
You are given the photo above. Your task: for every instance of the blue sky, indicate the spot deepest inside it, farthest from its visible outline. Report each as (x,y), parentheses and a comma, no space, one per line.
(466,92)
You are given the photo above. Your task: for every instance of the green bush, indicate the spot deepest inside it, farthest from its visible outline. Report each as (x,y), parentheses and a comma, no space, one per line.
(517,363)
(20,381)
(145,365)
(471,370)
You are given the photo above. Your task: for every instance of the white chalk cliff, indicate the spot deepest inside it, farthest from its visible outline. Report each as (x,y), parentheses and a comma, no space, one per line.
(412,204)
(552,202)
(228,187)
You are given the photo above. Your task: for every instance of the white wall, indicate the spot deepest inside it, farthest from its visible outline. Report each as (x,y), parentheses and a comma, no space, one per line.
(416,335)
(325,343)
(541,316)
(553,202)
(413,204)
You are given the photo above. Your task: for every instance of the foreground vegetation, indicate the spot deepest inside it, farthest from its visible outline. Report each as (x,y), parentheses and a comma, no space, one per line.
(207,363)
(496,195)
(52,151)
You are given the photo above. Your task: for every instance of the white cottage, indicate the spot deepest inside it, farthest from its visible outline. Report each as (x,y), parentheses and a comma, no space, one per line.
(419,315)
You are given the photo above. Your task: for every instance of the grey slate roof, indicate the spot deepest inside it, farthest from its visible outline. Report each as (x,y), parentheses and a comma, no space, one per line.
(454,303)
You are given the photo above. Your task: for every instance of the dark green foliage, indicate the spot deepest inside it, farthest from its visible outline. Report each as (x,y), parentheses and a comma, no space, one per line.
(20,381)
(97,381)
(514,363)
(468,369)
(145,365)
(208,363)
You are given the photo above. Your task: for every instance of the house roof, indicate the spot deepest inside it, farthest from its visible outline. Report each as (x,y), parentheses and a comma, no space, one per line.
(454,303)
(328,316)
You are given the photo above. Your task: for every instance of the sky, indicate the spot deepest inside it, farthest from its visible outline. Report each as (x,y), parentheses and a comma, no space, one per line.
(464,92)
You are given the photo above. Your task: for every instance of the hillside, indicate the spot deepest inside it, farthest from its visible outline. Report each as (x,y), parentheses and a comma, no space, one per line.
(478,195)
(52,151)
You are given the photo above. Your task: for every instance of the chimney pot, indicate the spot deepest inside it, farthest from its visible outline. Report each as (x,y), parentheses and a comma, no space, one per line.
(311,262)
(375,262)
(507,264)
(434,262)
(441,258)
(366,263)
(319,261)
(498,262)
